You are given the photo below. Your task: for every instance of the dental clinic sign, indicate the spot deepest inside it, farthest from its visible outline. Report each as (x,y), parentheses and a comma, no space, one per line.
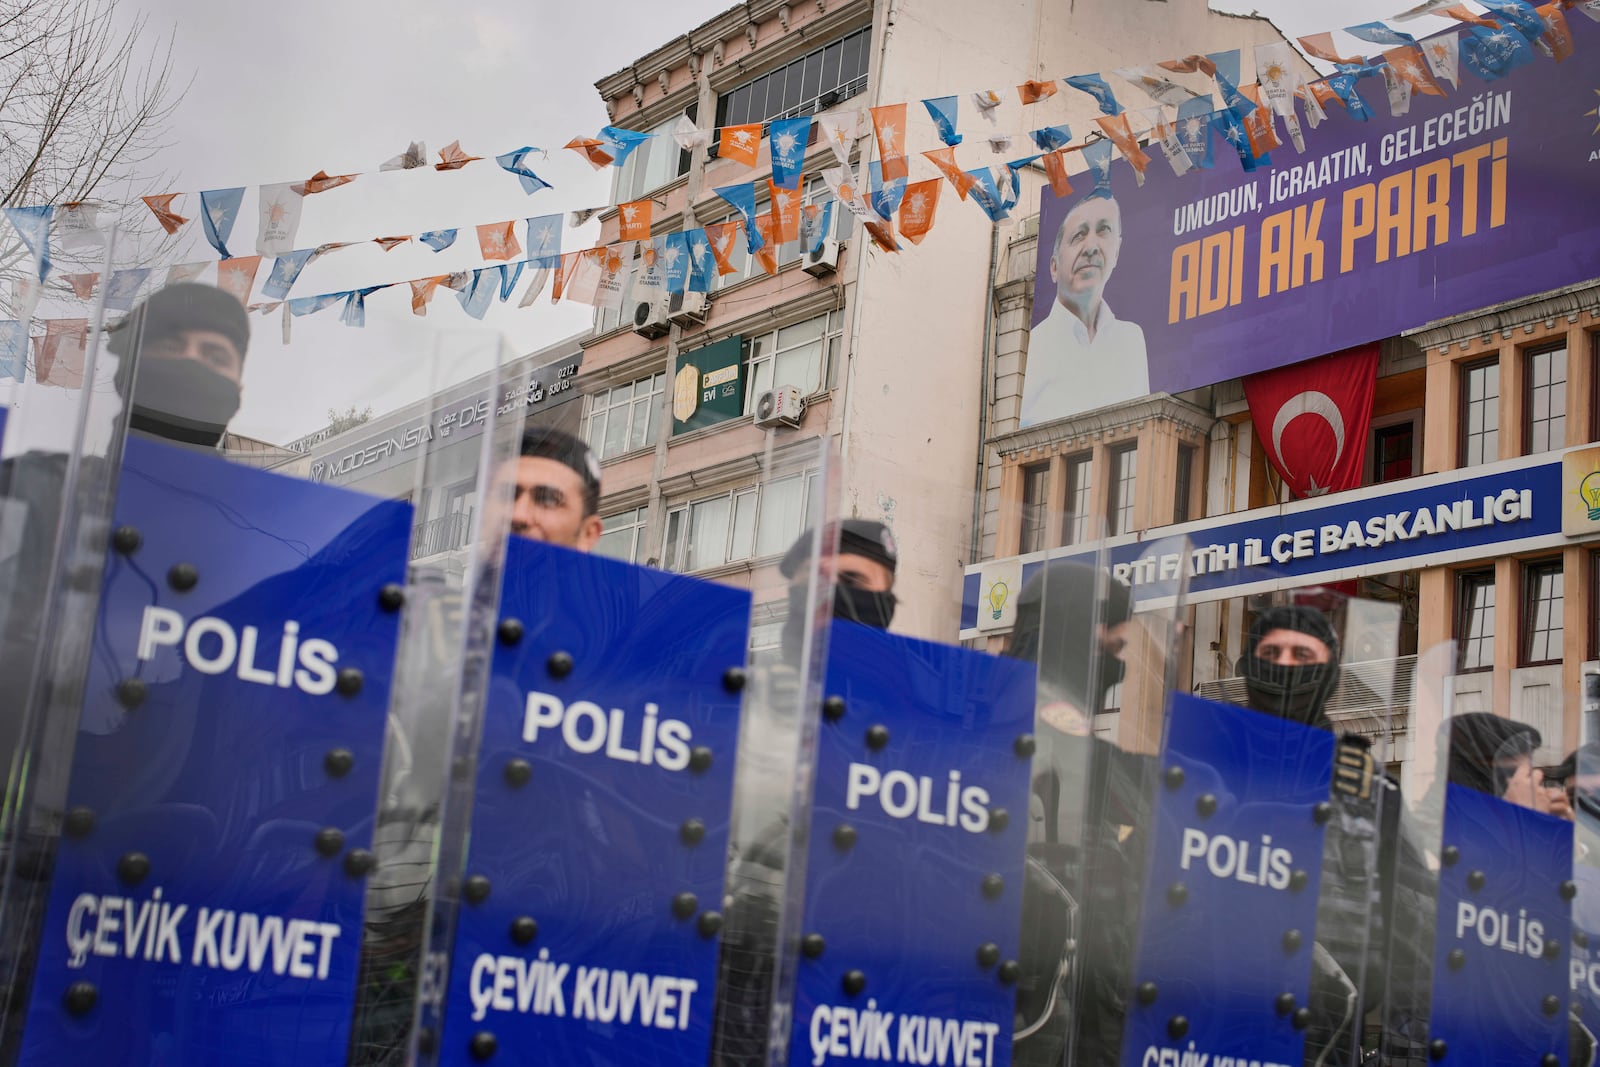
(1520,505)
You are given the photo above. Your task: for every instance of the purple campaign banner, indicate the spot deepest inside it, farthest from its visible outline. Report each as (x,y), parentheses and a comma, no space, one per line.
(1472,199)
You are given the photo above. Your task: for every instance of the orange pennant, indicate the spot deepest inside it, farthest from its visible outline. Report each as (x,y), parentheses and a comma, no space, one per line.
(767,254)
(1324,94)
(1258,127)
(1055,165)
(321,182)
(917,208)
(1460,13)
(1190,65)
(1558,38)
(882,235)
(1031,92)
(389,244)
(1409,66)
(82,284)
(161,206)
(59,359)
(889,122)
(1116,127)
(785,213)
(1321,46)
(452,158)
(592,150)
(564,270)
(498,240)
(422,292)
(633,220)
(741,143)
(945,160)
(721,237)
(237,275)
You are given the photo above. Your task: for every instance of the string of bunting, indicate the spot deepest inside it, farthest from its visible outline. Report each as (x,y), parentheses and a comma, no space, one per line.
(1489,45)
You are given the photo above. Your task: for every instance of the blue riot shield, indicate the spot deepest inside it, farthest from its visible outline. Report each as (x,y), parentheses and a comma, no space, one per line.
(587,886)
(196,827)
(914,864)
(1503,974)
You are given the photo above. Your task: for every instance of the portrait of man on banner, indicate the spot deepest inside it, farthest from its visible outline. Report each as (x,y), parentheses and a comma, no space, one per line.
(1080,355)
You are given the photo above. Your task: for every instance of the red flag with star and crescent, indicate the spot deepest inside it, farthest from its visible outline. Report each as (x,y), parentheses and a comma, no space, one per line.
(1313,419)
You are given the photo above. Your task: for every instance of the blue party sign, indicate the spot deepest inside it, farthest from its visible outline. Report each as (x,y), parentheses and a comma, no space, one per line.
(1230,905)
(1500,972)
(206,901)
(913,881)
(593,885)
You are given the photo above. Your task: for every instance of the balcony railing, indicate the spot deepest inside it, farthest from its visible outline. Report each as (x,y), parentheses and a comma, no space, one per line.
(441,535)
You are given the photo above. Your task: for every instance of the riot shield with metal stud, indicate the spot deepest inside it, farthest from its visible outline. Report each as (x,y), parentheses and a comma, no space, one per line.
(584,904)
(1261,886)
(196,837)
(1485,973)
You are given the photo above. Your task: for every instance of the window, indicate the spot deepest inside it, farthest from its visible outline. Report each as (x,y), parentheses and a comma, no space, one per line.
(1035,507)
(791,355)
(623,536)
(1480,413)
(1544,401)
(1183,483)
(814,82)
(1475,621)
(1542,603)
(1078,499)
(761,520)
(1124,470)
(653,164)
(625,417)
(1392,451)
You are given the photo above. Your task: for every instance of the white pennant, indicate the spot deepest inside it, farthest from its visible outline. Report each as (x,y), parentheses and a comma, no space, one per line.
(1444,57)
(840,129)
(1171,147)
(77,225)
(280,208)
(688,135)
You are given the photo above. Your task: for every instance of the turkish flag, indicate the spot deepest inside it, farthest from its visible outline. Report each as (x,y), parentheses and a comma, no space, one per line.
(1312,419)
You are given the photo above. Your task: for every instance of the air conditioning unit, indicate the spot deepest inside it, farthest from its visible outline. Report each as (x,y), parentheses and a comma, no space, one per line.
(779,407)
(822,260)
(650,318)
(686,308)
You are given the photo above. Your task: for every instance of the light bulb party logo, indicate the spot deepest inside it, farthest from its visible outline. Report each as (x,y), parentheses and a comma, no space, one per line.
(1000,592)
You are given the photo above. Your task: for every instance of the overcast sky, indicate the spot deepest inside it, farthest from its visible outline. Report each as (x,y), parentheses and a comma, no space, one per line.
(283,90)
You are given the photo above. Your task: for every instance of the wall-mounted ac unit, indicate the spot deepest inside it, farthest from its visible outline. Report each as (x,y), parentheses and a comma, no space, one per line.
(822,260)
(779,407)
(686,308)
(650,318)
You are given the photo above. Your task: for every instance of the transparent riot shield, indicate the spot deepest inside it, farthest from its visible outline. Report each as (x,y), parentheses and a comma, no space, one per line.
(1581,789)
(1253,856)
(197,830)
(53,380)
(610,879)
(1485,956)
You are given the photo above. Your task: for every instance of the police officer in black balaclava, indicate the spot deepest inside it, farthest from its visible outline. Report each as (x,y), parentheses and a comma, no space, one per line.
(191,341)
(862,570)
(1291,664)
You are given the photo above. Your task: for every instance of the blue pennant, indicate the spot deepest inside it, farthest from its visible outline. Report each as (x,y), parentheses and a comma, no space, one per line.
(219,210)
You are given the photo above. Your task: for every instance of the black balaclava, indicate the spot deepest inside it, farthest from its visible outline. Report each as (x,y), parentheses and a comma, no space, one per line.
(1299,693)
(181,399)
(1058,628)
(1482,743)
(857,537)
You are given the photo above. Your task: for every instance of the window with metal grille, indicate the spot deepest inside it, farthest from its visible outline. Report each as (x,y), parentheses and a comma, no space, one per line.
(1035,507)
(1543,598)
(1480,413)
(1544,400)
(1475,621)
(1079,499)
(815,82)
(1124,474)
